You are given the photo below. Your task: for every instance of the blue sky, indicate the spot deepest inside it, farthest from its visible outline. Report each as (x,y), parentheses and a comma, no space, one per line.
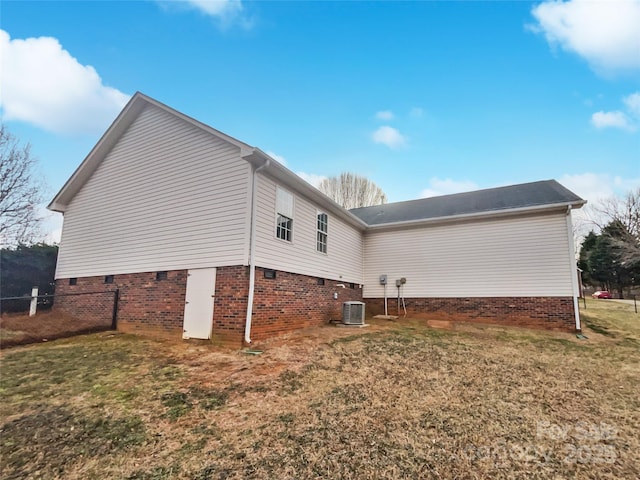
(424,98)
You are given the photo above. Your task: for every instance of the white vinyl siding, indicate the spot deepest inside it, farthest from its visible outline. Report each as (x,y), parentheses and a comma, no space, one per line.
(523,256)
(342,262)
(168,196)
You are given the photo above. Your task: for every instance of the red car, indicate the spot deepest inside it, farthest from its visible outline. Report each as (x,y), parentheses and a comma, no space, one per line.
(601,294)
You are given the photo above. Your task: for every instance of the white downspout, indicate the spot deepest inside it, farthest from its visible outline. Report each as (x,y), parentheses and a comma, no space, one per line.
(252,246)
(573,267)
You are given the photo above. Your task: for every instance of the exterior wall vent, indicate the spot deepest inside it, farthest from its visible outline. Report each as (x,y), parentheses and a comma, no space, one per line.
(353,313)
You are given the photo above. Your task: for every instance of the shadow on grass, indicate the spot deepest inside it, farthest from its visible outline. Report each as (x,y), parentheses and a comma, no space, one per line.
(596,327)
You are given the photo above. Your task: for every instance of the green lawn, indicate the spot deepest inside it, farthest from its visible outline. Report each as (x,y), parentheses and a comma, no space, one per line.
(399,400)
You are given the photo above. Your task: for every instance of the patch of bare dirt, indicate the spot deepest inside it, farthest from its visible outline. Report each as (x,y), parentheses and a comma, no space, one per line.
(212,366)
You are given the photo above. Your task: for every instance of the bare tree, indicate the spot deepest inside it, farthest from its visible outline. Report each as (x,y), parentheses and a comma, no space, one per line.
(352,191)
(625,213)
(612,256)
(625,210)
(20,191)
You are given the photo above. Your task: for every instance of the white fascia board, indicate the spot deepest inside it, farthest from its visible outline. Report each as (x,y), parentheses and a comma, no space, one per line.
(477,216)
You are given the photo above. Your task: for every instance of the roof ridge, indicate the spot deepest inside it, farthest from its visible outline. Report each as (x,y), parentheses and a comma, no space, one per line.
(498,200)
(423,199)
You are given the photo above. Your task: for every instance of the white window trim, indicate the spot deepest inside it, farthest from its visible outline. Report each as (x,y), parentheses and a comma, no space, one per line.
(275,230)
(275,217)
(317,230)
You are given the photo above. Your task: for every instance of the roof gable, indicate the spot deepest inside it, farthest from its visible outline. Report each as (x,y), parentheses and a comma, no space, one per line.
(123,121)
(543,194)
(253,155)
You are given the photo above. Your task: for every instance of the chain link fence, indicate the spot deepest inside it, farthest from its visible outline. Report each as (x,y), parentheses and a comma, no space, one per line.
(57,316)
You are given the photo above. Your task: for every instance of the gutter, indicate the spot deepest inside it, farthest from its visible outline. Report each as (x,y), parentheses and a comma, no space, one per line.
(252,246)
(573,270)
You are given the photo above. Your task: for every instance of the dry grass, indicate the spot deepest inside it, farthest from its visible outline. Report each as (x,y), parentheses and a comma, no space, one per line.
(613,318)
(399,400)
(20,328)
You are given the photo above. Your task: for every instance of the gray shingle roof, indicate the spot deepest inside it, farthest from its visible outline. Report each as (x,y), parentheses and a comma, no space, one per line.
(546,192)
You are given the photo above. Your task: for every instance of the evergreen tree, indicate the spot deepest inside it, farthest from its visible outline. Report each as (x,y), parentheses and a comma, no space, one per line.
(24,267)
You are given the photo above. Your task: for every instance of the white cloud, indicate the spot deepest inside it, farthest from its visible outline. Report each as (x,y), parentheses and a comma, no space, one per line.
(216,8)
(278,158)
(616,119)
(416,112)
(605,33)
(51,225)
(44,85)
(54,236)
(227,12)
(389,136)
(632,102)
(597,186)
(446,186)
(385,115)
(594,187)
(311,178)
(590,186)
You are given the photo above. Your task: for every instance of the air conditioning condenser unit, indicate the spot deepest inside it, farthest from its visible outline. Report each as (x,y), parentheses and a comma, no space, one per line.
(353,313)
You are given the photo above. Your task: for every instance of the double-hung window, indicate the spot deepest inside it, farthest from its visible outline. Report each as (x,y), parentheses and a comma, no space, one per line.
(322,232)
(284,215)
(284,227)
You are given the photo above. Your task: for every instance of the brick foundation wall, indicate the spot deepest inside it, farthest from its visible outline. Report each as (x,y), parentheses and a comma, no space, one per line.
(552,313)
(145,304)
(230,306)
(286,303)
(291,301)
(93,306)
(281,305)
